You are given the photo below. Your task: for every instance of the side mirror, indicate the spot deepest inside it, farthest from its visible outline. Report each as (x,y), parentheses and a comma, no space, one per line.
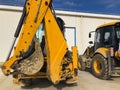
(89,35)
(90,42)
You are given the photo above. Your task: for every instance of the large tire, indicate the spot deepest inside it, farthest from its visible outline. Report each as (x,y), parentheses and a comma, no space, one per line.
(81,64)
(100,68)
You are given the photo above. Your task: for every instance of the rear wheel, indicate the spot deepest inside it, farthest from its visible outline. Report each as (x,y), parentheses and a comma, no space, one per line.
(100,67)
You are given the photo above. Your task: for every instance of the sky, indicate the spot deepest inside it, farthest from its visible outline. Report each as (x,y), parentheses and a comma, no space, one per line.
(87,6)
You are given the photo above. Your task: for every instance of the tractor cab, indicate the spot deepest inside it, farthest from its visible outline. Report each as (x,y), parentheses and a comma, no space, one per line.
(107,36)
(103,58)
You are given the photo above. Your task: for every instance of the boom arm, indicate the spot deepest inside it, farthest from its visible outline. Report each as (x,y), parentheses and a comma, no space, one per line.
(35,12)
(38,11)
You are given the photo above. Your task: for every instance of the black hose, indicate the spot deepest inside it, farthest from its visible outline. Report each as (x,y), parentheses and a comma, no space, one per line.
(20,22)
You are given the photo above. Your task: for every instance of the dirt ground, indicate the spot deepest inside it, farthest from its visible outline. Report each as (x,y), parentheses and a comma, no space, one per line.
(86,81)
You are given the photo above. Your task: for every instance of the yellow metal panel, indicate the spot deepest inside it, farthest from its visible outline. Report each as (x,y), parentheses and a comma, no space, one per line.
(117,55)
(56,47)
(75,62)
(35,12)
(108,24)
(7,65)
(102,51)
(75,57)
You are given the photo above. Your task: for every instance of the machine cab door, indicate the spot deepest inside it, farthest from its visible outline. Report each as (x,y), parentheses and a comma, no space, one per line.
(97,43)
(104,37)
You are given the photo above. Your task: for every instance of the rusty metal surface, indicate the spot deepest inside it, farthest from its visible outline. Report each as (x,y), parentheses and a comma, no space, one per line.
(33,63)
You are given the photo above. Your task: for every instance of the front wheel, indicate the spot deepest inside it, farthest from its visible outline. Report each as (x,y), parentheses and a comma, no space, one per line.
(100,67)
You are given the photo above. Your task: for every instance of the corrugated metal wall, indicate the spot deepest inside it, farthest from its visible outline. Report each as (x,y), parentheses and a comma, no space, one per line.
(84,22)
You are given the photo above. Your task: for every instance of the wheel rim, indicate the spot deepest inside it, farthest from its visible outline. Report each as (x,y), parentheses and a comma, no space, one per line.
(97,66)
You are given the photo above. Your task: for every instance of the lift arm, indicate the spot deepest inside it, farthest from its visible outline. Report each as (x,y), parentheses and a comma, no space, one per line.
(37,12)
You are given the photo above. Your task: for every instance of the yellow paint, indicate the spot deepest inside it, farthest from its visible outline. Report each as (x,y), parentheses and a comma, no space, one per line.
(75,61)
(75,57)
(97,66)
(15,80)
(56,47)
(28,31)
(38,11)
(117,55)
(108,24)
(102,51)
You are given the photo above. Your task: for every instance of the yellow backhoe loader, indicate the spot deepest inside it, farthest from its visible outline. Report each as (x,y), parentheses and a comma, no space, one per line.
(102,57)
(45,58)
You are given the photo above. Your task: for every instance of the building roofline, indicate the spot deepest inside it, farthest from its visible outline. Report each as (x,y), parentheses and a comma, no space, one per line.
(70,13)
(60,12)
(11,8)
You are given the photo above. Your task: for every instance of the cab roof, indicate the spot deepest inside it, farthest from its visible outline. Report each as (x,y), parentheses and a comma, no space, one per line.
(108,24)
